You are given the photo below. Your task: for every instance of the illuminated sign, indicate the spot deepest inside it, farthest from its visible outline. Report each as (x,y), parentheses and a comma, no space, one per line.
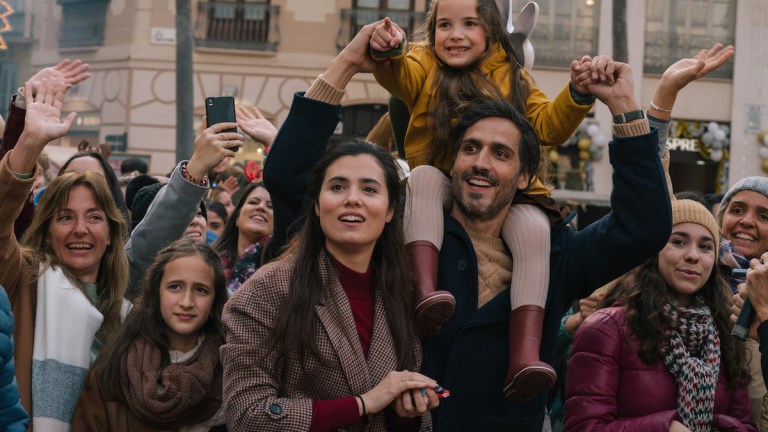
(5,26)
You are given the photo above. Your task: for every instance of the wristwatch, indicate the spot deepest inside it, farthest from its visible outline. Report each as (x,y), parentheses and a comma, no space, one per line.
(628,117)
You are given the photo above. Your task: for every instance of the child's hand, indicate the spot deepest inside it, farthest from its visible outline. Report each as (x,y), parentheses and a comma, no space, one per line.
(581,75)
(387,36)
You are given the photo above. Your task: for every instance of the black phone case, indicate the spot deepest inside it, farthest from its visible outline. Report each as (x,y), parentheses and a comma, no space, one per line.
(220,109)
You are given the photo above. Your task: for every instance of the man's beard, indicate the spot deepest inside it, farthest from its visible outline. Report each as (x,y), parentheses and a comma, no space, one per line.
(468,204)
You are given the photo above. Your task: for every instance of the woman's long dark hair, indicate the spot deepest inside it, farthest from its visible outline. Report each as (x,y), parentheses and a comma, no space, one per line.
(145,320)
(109,175)
(457,88)
(643,292)
(227,243)
(296,322)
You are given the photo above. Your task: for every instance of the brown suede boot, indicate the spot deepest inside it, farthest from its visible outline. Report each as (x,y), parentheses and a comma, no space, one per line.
(527,376)
(433,307)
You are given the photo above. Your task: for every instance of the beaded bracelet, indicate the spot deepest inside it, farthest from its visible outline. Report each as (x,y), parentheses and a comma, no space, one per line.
(200,182)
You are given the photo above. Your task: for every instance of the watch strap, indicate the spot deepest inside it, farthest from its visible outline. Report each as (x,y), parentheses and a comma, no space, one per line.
(629,116)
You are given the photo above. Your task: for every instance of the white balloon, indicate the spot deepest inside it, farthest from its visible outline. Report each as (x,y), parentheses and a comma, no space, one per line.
(717,145)
(713,126)
(694,131)
(765,139)
(719,134)
(763,153)
(725,129)
(716,155)
(707,138)
(593,130)
(599,140)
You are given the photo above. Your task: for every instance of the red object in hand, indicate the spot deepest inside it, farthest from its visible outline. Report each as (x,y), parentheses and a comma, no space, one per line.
(442,393)
(252,171)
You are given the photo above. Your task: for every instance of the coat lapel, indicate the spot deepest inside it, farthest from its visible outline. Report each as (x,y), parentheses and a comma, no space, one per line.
(336,317)
(381,353)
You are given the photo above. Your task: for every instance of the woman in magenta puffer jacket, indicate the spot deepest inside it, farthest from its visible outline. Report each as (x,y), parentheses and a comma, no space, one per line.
(662,357)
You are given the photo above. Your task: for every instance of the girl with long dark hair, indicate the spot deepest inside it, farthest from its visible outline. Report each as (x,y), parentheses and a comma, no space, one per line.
(324,338)
(661,356)
(247,232)
(162,371)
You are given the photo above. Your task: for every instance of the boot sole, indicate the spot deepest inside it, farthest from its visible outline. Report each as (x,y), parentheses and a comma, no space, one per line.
(432,312)
(529,382)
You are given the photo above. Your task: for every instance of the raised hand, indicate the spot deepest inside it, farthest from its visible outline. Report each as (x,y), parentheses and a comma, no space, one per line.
(42,124)
(590,70)
(230,185)
(67,73)
(387,36)
(212,146)
(43,119)
(252,121)
(618,92)
(686,70)
(354,58)
(683,72)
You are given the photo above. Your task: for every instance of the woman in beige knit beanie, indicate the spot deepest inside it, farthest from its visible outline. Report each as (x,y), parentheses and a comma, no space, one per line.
(662,355)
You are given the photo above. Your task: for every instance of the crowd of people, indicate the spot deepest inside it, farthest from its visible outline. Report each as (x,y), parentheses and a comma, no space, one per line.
(333,295)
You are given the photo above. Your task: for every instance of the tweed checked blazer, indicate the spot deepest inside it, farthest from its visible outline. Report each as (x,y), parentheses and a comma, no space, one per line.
(278,397)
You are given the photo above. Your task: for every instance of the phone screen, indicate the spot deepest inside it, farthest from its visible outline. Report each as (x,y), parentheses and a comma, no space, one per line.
(220,110)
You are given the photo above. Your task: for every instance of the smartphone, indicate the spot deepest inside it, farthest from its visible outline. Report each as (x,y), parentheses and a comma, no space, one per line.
(220,109)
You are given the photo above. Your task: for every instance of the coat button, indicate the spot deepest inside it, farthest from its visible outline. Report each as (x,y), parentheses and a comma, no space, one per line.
(462,265)
(276,409)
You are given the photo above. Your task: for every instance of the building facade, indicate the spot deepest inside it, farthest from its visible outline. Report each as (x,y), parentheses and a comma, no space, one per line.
(262,51)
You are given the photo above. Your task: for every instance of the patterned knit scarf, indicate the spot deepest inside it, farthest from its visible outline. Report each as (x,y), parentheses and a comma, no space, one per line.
(182,394)
(692,356)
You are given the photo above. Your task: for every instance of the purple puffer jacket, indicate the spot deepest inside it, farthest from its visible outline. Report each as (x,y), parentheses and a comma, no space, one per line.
(609,388)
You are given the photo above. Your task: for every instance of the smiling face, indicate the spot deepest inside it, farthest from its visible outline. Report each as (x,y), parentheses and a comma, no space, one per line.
(196,230)
(353,205)
(460,38)
(186,299)
(745,223)
(255,218)
(687,260)
(486,173)
(79,234)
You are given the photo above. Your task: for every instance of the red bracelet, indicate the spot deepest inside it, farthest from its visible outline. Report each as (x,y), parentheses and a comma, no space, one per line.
(200,182)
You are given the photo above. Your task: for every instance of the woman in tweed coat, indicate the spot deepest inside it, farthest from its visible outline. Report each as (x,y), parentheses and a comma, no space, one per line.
(323,339)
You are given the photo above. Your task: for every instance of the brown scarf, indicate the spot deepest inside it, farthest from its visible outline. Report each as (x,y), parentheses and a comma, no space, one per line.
(182,394)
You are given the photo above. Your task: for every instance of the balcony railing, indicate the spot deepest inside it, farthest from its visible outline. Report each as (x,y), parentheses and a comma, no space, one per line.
(246,26)
(662,49)
(352,20)
(558,45)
